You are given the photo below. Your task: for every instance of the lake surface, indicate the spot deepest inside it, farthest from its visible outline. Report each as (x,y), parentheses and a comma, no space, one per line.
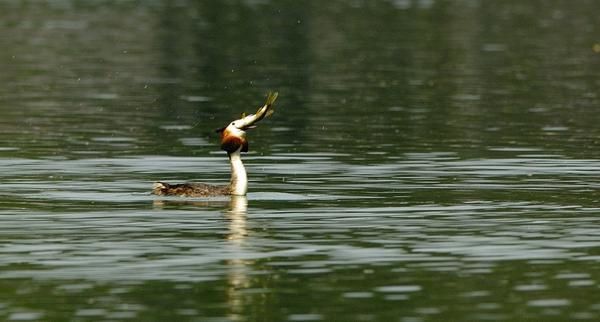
(427,161)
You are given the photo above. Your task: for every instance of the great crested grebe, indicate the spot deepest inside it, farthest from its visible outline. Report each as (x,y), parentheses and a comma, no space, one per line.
(233,140)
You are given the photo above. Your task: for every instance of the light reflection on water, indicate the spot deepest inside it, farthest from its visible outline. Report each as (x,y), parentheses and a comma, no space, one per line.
(191,239)
(121,179)
(345,220)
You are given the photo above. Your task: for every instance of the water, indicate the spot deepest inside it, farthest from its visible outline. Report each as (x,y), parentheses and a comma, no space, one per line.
(427,161)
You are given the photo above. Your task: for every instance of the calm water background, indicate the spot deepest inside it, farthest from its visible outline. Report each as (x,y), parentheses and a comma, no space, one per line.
(429,160)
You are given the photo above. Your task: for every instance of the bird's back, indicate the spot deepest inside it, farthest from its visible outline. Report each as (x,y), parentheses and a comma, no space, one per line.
(190,190)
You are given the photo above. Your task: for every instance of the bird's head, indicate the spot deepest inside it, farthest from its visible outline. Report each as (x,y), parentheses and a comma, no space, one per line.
(233,136)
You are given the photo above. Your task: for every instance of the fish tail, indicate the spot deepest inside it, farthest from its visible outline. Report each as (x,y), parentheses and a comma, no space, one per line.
(269,103)
(271,98)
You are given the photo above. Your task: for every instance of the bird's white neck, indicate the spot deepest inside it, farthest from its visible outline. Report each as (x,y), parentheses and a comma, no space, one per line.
(239,178)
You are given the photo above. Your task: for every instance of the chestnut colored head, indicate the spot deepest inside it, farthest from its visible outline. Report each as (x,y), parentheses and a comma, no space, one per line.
(233,139)
(233,136)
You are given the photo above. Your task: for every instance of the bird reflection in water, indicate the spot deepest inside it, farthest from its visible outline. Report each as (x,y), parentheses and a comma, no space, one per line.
(236,264)
(238,207)
(238,267)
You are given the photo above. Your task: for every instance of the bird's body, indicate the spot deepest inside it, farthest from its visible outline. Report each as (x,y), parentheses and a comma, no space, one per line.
(190,189)
(233,140)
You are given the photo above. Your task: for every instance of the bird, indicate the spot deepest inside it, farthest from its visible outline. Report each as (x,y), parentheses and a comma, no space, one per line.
(234,142)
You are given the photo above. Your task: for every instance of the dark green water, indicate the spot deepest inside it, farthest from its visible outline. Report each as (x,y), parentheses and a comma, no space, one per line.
(428,161)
